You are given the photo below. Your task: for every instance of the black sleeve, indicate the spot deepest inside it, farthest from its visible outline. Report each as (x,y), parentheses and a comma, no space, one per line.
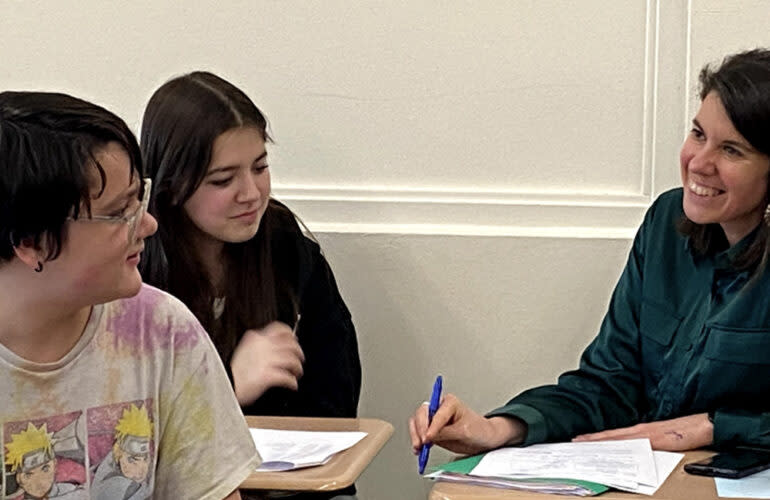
(331,384)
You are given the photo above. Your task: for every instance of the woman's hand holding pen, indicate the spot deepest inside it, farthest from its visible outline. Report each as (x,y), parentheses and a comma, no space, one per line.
(265,358)
(676,434)
(459,429)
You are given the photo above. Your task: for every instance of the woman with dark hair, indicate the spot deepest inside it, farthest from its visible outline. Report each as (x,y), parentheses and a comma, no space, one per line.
(683,354)
(238,258)
(90,356)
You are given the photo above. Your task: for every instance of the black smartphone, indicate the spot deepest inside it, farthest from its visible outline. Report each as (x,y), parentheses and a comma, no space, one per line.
(733,464)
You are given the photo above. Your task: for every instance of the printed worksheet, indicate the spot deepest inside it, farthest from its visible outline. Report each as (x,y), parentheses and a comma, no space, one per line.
(283,450)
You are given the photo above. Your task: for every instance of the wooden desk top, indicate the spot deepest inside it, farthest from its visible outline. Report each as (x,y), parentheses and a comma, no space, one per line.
(339,472)
(678,486)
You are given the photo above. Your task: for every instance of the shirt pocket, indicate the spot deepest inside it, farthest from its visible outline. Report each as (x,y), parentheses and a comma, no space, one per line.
(742,346)
(658,325)
(736,371)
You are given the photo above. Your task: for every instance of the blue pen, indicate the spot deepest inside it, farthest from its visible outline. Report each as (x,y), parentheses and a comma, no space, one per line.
(435,398)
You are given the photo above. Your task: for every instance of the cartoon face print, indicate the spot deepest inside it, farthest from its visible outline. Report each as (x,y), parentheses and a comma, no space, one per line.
(124,467)
(30,457)
(37,482)
(134,467)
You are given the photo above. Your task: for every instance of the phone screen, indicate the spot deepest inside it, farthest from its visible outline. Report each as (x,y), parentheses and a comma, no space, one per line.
(739,462)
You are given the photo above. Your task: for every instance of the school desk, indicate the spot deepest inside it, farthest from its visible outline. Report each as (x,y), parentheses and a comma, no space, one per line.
(339,472)
(678,486)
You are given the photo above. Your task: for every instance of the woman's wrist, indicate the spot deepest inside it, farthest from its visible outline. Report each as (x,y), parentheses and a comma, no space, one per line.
(710,426)
(507,431)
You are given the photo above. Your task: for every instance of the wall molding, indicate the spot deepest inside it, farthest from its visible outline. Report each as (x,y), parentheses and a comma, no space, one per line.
(468,213)
(558,213)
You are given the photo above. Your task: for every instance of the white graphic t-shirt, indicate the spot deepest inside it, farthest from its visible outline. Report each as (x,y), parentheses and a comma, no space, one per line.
(140,408)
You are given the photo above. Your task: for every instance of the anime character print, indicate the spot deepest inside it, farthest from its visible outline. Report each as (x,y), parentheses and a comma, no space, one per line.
(121,446)
(45,459)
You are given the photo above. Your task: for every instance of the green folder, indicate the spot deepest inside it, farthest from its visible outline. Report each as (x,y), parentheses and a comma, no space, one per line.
(461,466)
(467,464)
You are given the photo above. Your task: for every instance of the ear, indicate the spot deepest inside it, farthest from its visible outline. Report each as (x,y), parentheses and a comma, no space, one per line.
(29,253)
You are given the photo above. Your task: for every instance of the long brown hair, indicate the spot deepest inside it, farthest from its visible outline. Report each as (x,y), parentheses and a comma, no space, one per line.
(180,124)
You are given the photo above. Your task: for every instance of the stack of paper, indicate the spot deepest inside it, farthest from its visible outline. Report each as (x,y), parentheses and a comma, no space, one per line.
(286,450)
(568,468)
(459,472)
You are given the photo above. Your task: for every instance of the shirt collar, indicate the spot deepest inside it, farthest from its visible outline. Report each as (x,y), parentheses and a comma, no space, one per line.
(725,258)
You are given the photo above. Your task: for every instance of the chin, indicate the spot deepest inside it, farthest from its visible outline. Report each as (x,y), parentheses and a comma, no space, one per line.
(130,287)
(696,215)
(240,236)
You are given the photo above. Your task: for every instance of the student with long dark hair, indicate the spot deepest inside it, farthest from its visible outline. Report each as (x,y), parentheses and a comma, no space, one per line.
(111,388)
(683,354)
(238,257)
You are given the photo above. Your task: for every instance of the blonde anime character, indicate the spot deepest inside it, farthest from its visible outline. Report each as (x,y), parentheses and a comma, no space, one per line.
(30,458)
(123,473)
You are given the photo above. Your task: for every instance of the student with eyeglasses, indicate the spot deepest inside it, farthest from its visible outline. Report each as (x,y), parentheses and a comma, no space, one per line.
(112,389)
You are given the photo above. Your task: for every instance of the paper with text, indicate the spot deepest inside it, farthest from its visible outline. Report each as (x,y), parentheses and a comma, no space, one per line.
(283,450)
(665,463)
(628,464)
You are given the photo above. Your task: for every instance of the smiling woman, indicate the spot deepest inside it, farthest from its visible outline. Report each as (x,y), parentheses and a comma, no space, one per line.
(724,176)
(683,354)
(233,196)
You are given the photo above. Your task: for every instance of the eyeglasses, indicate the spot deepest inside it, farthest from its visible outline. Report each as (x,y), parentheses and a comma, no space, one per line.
(132,220)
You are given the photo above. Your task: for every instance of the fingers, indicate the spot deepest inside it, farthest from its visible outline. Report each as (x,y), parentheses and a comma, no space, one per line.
(678,434)
(414,437)
(421,421)
(276,329)
(269,357)
(418,424)
(296,351)
(447,413)
(282,378)
(277,341)
(288,361)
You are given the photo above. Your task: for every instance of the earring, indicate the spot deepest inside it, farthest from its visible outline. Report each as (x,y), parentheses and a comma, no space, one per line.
(767,215)
(39,267)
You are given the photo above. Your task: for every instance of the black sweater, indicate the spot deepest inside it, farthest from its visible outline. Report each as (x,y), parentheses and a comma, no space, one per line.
(331,383)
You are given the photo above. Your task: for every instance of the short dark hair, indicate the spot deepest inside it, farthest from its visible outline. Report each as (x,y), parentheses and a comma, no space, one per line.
(742,82)
(47,164)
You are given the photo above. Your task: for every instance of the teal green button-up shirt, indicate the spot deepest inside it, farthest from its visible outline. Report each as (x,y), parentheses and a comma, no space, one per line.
(683,335)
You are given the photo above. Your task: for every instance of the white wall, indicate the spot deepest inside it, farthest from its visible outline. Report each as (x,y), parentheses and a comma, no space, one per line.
(474,169)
